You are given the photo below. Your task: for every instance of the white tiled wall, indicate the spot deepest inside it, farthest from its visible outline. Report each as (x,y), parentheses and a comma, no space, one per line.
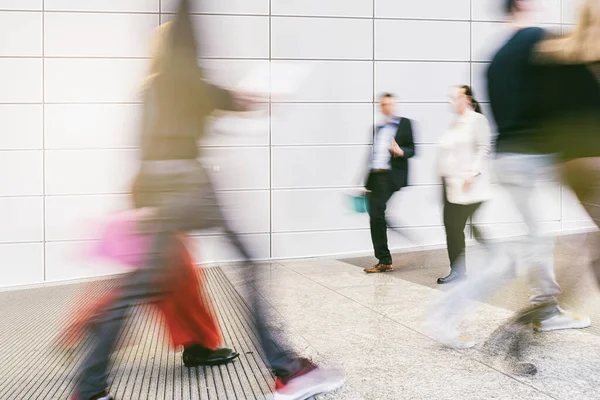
(69,78)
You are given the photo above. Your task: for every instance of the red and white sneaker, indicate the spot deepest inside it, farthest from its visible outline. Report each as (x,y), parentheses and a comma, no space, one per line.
(308,382)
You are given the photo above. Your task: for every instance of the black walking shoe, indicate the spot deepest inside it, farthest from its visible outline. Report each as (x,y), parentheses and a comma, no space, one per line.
(197,356)
(453,276)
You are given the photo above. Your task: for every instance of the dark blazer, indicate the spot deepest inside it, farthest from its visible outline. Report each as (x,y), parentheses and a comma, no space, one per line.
(404,138)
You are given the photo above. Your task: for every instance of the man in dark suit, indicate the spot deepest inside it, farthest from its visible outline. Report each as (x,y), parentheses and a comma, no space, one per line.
(393,145)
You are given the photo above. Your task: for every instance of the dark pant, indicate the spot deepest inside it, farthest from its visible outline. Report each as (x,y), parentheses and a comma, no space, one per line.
(184,200)
(382,188)
(455,220)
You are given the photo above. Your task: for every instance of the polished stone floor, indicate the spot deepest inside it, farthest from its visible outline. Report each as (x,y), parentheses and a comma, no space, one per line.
(370,326)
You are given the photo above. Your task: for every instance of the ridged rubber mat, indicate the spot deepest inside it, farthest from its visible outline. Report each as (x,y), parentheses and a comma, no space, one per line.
(145,367)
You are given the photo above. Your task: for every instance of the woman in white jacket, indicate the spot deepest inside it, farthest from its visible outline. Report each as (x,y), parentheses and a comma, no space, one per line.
(462,164)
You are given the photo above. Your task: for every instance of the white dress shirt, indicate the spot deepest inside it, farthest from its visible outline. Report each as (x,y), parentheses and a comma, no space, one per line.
(382,145)
(464,152)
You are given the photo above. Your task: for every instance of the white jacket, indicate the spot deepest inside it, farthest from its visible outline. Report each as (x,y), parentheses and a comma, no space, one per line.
(464,151)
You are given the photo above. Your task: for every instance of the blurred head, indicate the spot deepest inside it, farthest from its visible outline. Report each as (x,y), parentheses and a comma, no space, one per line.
(387,102)
(462,99)
(516,7)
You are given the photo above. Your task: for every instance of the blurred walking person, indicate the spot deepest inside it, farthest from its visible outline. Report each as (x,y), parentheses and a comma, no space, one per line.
(393,145)
(177,101)
(521,166)
(462,164)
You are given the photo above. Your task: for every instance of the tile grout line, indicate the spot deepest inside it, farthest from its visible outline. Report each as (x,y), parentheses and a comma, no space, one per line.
(44,138)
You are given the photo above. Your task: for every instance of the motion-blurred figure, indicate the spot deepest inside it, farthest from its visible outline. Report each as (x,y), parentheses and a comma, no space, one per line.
(569,120)
(177,101)
(521,165)
(462,163)
(393,145)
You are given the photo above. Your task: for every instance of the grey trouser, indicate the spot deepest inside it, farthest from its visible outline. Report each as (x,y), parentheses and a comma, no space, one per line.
(183,195)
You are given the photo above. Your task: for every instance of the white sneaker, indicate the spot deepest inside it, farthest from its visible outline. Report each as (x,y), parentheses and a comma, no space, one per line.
(563,320)
(315,382)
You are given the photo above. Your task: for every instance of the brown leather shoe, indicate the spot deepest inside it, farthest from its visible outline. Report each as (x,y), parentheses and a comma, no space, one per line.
(379,268)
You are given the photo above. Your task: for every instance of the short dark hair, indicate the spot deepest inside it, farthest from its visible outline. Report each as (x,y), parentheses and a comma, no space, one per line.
(510,6)
(386,96)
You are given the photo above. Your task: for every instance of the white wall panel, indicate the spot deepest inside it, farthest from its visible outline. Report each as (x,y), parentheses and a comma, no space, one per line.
(238,168)
(438,40)
(230,36)
(429,121)
(570,11)
(487,38)
(22,173)
(479,81)
(419,82)
(322,123)
(87,126)
(500,209)
(314,167)
(21,80)
(25,5)
(422,167)
(209,249)
(129,34)
(89,171)
(247,211)
(334,8)
(336,81)
(221,7)
(423,9)
(93,80)
(80,217)
(321,38)
(102,5)
(21,33)
(23,263)
(22,126)
(22,219)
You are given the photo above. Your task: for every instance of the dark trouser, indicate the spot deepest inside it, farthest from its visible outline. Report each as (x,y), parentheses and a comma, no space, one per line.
(455,220)
(182,194)
(583,176)
(382,188)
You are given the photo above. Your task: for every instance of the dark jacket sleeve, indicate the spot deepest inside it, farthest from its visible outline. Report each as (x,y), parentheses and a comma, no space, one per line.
(404,138)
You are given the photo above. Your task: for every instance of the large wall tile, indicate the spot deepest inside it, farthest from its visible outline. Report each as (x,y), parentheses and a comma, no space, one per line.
(129,34)
(24,5)
(429,121)
(500,209)
(21,33)
(419,82)
(241,168)
(22,219)
(89,126)
(94,80)
(22,126)
(314,124)
(89,171)
(314,167)
(21,80)
(102,5)
(24,263)
(221,7)
(487,38)
(336,81)
(80,217)
(334,8)
(479,81)
(22,173)
(438,41)
(422,167)
(247,211)
(544,11)
(321,38)
(217,248)
(570,11)
(425,9)
(301,244)
(231,36)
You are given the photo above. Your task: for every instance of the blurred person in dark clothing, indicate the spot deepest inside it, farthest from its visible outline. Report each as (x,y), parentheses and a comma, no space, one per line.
(393,145)
(174,183)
